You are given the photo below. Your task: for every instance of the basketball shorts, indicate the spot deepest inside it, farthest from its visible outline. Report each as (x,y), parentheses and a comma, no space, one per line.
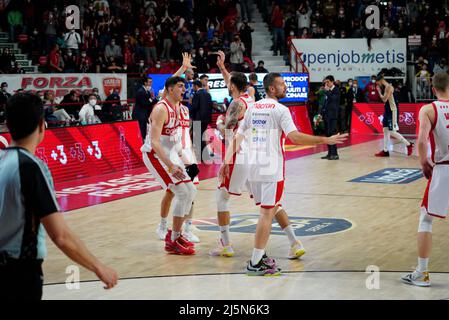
(436,196)
(267,194)
(238,176)
(160,171)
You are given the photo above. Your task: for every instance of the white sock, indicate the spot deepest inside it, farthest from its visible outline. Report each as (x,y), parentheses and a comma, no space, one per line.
(290,234)
(257,256)
(422,264)
(164,222)
(386,139)
(399,137)
(175,235)
(224,234)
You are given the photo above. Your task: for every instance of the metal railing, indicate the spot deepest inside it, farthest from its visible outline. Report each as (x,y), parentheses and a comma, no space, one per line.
(294,56)
(422,89)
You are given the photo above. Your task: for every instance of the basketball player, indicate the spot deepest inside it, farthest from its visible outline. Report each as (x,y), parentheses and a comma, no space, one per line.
(239,171)
(265,126)
(433,124)
(390,118)
(255,90)
(161,156)
(188,158)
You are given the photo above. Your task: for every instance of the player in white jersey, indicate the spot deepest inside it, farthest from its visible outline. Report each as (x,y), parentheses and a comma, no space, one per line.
(266,125)
(239,169)
(189,159)
(161,156)
(433,126)
(390,118)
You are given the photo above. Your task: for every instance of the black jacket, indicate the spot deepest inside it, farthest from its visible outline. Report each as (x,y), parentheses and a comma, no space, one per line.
(145,100)
(359,96)
(202,106)
(332,103)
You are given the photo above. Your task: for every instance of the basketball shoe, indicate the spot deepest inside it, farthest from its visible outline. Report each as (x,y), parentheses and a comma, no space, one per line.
(178,246)
(296,251)
(161,230)
(266,268)
(222,250)
(181,238)
(417,278)
(188,233)
(382,153)
(410,148)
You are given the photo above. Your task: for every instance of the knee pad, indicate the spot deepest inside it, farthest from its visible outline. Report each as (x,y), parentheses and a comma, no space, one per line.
(182,198)
(191,196)
(222,197)
(425,221)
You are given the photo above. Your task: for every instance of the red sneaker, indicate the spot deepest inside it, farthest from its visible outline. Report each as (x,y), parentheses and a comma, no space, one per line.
(410,149)
(182,240)
(185,242)
(382,154)
(176,247)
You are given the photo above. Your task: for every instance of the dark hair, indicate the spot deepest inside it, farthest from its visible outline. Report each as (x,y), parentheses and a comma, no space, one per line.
(239,80)
(24,112)
(268,80)
(4,84)
(261,61)
(197,83)
(204,76)
(172,81)
(145,79)
(330,78)
(379,77)
(440,81)
(253,77)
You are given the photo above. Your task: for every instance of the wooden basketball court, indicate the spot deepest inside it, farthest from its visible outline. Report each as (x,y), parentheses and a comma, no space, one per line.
(383,221)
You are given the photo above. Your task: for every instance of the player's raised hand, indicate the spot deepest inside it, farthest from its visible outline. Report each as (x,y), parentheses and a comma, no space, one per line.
(187,61)
(337,139)
(221,58)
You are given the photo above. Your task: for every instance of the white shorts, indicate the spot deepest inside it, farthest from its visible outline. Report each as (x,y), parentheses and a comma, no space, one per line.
(160,171)
(436,196)
(267,194)
(238,176)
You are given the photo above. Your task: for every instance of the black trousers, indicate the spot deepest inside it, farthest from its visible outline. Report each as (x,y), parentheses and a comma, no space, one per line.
(142,117)
(203,142)
(331,129)
(21,280)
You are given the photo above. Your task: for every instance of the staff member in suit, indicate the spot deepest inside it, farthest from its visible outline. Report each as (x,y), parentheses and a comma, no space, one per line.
(202,109)
(330,114)
(145,100)
(355,94)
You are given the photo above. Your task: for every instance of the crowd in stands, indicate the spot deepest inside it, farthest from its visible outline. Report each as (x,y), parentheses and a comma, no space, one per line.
(128,36)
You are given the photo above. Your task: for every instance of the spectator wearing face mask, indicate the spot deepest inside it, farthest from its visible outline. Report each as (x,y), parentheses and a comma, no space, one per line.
(70,62)
(354,94)
(202,66)
(112,50)
(145,100)
(87,112)
(441,67)
(237,49)
(84,63)
(371,91)
(303,16)
(72,41)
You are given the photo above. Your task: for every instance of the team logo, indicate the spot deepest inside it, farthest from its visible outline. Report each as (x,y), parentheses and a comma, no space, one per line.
(3,142)
(109,84)
(303,226)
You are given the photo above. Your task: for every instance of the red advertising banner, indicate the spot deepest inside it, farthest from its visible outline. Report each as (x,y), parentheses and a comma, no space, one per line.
(367,118)
(86,151)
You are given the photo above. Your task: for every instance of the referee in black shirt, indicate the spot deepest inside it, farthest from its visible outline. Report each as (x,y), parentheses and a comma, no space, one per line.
(28,205)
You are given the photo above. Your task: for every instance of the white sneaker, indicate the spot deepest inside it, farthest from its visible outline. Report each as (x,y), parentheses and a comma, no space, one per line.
(417,278)
(296,251)
(162,231)
(189,235)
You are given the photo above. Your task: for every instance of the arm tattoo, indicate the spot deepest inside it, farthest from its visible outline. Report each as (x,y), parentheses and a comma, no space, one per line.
(235,109)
